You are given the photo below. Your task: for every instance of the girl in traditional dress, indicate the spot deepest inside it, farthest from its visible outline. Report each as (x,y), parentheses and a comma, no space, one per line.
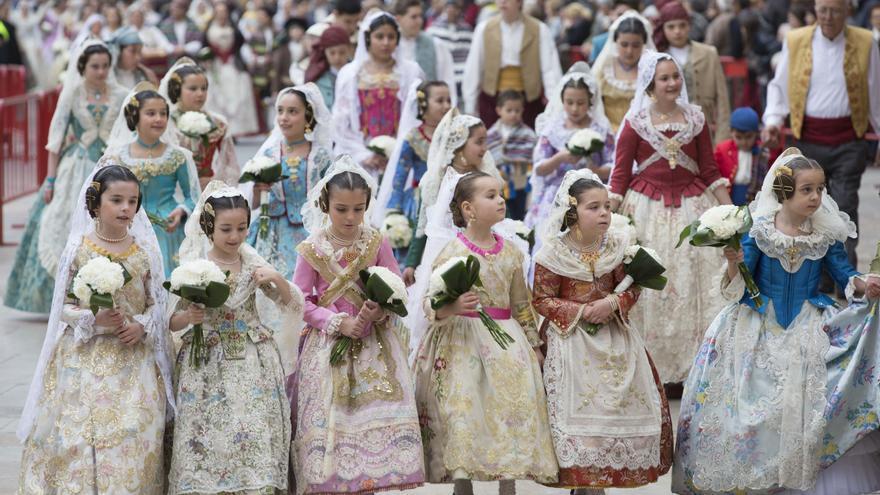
(78,134)
(370,91)
(608,414)
(616,67)
(674,182)
(301,142)
(233,95)
(576,103)
(426,105)
(756,416)
(482,408)
(128,68)
(460,148)
(232,431)
(140,141)
(357,430)
(95,414)
(185,86)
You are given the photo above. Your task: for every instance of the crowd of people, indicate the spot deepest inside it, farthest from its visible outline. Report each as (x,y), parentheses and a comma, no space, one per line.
(403,160)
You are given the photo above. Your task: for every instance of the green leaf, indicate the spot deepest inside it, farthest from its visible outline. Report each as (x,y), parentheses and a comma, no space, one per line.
(100,301)
(687,232)
(655,283)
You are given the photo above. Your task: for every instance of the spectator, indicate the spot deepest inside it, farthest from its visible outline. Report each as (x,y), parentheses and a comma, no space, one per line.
(127,66)
(112,21)
(827,82)
(9,50)
(181,31)
(289,51)
(511,51)
(432,55)
(155,43)
(346,14)
(329,55)
(598,41)
(458,35)
(742,160)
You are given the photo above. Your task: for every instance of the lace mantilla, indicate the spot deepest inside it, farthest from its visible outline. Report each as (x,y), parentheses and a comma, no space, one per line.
(791,251)
(669,148)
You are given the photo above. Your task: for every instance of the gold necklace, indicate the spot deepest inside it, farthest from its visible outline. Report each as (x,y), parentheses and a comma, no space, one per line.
(349,252)
(589,254)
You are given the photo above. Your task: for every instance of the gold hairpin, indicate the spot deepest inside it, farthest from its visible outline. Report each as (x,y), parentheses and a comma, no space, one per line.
(783,170)
(420,94)
(134,102)
(572,201)
(175,77)
(97,185)
(209,209)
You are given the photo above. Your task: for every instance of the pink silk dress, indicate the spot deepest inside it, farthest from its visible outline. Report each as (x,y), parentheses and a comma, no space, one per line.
(380,107)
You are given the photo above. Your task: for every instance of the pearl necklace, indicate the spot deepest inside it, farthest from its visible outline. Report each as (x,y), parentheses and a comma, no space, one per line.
(349,253)
(215,259)
(110,239)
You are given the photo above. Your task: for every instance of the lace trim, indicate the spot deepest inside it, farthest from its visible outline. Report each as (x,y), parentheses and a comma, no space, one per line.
(671,126)
(325,250)
(643,126)
(333,324)
(721,182)
(791,251)
(85,327)
(611,80)
(146,168)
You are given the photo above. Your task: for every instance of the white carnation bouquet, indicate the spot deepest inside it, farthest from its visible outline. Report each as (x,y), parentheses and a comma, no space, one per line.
(196,125)
(382,145)
(200,282)
(397,229)
(268,171)
(97,281)
(383,287)
(585,142)
(524,232)
(624,223)
(724,226)
(455,277)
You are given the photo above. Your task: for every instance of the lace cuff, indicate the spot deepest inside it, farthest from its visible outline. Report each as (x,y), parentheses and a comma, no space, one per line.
(850,290)
(333,324)
(83,323)
(718,183)
(732,290)
(614,195)
(144,320)
(566,330)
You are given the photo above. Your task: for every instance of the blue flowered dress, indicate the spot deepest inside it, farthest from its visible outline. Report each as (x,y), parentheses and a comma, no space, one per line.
(759,397)
(30,284)
(286,199)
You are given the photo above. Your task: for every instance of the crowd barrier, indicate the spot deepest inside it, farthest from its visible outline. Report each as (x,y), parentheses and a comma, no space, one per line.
(24,130)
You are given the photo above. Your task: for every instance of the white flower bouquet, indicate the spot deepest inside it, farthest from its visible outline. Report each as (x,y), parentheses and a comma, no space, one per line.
(383,287)
(524,233)
(382,145)
(456,277)
(266,170)
(97,281)
(625,223)
(397,229)
(724,226)
(200,282)
(196,125)
(585,142)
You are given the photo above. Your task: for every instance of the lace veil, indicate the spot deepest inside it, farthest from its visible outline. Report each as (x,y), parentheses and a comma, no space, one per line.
(555,110)
(316,220)
(609,50)
(154,322)
(647,68)
(828,219)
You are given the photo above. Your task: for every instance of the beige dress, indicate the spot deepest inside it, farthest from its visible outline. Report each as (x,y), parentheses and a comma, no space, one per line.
(100,423)
(482,409)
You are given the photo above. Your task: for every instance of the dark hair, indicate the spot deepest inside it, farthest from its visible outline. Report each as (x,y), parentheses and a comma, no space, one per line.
(464,191)
(402,6)
(631,25)
(349,7)
(633,4)
(509,95)
(470,133)
(132,110)
(800,10)
(424,92)
(784,183)
(102,180)
(576,84)
(346,181)
(382,20)
(579,187)
(209,216)
(87,54)
(175,83)
(310,112)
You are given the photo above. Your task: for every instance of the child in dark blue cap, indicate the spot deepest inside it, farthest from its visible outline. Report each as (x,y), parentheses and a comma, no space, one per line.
(742,159)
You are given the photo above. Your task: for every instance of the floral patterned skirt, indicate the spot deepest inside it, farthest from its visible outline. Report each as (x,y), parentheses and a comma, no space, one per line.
(232,430)
(482,409)
(100,422)
(29,286)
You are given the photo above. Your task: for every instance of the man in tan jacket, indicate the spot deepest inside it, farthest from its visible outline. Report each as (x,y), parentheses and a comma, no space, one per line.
(703,75)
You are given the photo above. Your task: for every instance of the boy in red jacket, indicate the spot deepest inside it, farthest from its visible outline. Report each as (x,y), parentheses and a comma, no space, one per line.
(742,159)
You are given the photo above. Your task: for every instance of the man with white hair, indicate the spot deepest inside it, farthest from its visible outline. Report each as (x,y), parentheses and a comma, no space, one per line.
(828,83)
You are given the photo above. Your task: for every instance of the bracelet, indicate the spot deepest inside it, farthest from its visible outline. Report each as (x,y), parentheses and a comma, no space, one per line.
(50,180)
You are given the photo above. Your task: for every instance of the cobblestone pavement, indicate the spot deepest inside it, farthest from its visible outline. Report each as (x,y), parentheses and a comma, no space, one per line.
(21,336)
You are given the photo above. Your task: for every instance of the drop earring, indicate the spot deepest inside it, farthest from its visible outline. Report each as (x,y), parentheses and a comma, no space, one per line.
(578,234)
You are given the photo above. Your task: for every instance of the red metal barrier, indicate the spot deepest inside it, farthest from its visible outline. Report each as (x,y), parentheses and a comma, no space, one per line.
(12,80)
(24,130)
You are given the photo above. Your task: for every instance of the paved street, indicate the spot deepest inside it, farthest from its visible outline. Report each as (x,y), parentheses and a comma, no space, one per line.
(21,336)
